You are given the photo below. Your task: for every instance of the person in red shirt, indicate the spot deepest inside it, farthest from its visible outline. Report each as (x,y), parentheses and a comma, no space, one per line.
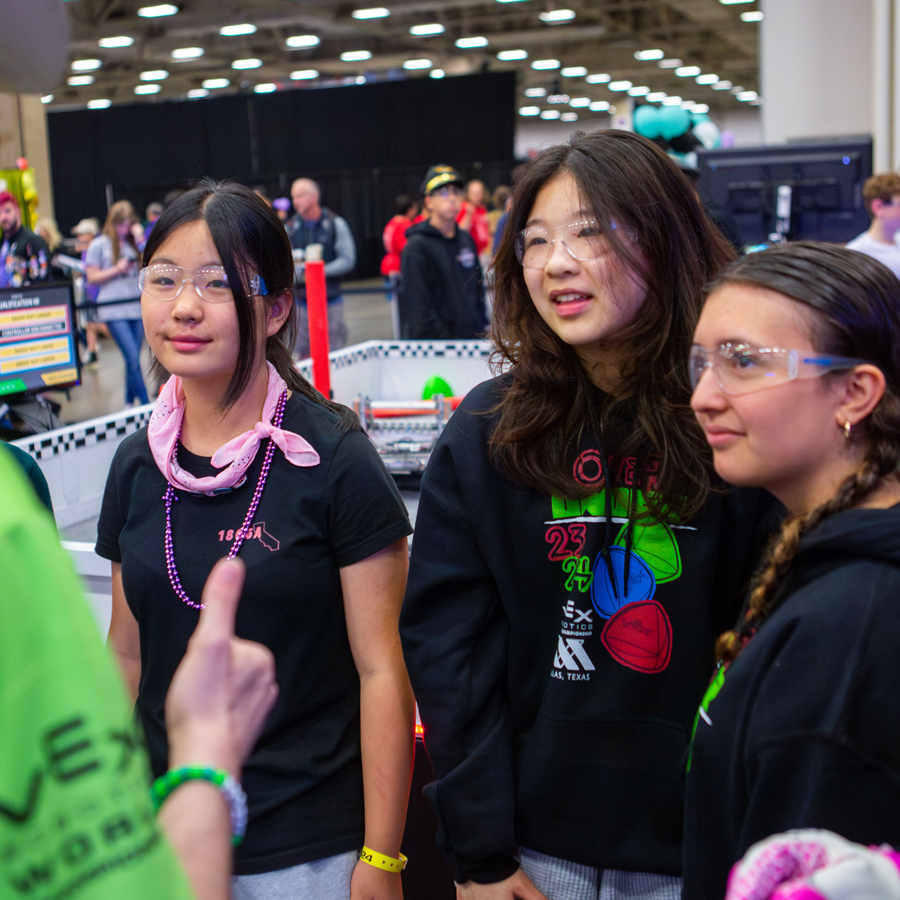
(473,216)
(394,235)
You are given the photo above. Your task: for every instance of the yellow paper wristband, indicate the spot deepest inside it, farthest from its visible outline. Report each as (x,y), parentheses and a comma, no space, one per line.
(380,861)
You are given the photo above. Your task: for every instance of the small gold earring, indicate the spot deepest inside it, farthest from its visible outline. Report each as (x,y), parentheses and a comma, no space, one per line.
(848,430)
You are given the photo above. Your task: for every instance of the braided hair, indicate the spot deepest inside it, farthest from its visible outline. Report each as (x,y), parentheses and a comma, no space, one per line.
(855,301)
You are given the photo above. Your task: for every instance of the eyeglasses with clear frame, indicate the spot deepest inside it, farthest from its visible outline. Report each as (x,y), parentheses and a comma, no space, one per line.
(583,240)
(745,369)
(165,281)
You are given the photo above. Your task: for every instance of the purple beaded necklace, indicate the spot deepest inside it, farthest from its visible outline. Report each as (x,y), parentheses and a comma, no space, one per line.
(242,532)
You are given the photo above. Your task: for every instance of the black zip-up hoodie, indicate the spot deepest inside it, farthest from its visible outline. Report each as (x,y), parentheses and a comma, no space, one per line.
(557,705)
(441,296)
(805,730)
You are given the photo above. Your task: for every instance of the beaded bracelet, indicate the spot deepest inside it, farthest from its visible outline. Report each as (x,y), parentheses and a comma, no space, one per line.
(231,791)
(380,861)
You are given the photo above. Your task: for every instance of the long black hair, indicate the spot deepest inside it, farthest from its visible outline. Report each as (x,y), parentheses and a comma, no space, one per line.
(250,239)
(624,180)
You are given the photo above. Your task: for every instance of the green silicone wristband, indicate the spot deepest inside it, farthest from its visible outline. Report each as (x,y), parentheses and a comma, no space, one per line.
(231,791)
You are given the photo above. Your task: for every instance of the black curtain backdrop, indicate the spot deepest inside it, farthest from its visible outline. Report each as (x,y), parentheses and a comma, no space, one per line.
(364,144)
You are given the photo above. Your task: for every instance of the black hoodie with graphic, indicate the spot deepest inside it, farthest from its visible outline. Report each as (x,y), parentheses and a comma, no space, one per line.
(805,730)
(557,705)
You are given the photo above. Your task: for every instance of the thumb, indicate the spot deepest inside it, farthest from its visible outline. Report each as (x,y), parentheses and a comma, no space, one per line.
(221,595)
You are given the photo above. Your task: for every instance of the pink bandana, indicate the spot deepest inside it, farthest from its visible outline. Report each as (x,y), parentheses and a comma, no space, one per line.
(236,455)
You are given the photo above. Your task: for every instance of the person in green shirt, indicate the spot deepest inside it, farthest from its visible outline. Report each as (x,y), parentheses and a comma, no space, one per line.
(76,818)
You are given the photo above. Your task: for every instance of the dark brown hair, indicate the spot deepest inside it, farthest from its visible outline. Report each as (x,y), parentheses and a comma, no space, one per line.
(250,239)
(855,306)
(551,401)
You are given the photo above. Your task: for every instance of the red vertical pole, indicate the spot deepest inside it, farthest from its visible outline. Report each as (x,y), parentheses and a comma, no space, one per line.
(317,309)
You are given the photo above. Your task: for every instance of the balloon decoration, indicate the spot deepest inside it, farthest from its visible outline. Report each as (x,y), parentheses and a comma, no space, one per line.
(677,131)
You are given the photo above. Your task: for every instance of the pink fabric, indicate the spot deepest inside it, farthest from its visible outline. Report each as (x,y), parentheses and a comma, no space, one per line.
(797,890)
(758,875)
(236,455)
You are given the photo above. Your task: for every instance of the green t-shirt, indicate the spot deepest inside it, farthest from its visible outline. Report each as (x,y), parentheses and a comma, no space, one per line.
(75,814)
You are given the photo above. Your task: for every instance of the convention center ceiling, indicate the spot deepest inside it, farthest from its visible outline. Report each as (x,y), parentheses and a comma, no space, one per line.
(591,52)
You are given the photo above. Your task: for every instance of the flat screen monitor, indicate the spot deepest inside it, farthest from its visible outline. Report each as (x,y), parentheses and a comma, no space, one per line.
(37,339)
(826,180)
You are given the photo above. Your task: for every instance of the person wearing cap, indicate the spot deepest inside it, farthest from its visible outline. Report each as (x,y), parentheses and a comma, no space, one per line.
(85,231)
(24,257)
(441,281)
(314,224)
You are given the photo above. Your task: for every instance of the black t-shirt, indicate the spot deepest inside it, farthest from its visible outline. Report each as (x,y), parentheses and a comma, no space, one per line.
(304,778)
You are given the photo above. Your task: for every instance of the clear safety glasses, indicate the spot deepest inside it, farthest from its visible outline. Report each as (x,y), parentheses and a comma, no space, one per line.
(165,281)
(744,369)
(583,241)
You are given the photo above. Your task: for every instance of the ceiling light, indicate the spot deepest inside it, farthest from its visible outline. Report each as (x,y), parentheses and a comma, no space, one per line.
(573,71)
(356,56)
(183,53)
(737,89)
(154,75)
(722,86)
(752,16)
(656,96)
(246,64)
(236,30)
(701,108)
(148,89)
(669,63)
(550,114)
(376,12)
(110,43)
(557,16)
(197,93)
(163,9)
(577,102)
(599,78)
(746,95)
(509,1)
(535,92)
(733,2)
(672,101)
(80,80)
(437,73)
(418,64)
(99,104)
(267,88)
(471,42)
(706,79)
(540,64)
(569,117)
(426,30)
(649,54)
(213,84)
(558,98)
(304,74)
(511,55)
(47,98)
(599,106)
(640,91)
(528,110)
(688,71)
(620,85)
(85,65)
(302,40)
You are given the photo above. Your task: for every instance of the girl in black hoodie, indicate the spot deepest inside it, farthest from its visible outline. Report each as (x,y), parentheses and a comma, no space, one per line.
(796,369)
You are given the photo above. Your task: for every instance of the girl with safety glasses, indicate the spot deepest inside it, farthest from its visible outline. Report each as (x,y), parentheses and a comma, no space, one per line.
(796,373)
(242,457)
(572,565)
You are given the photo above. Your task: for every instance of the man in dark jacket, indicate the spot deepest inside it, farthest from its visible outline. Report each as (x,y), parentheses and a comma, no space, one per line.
(441,291)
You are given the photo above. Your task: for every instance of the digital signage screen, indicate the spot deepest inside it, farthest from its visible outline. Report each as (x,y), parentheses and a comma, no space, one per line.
(37,339)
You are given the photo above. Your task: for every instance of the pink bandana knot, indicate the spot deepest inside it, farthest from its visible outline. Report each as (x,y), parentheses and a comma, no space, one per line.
(235,456)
